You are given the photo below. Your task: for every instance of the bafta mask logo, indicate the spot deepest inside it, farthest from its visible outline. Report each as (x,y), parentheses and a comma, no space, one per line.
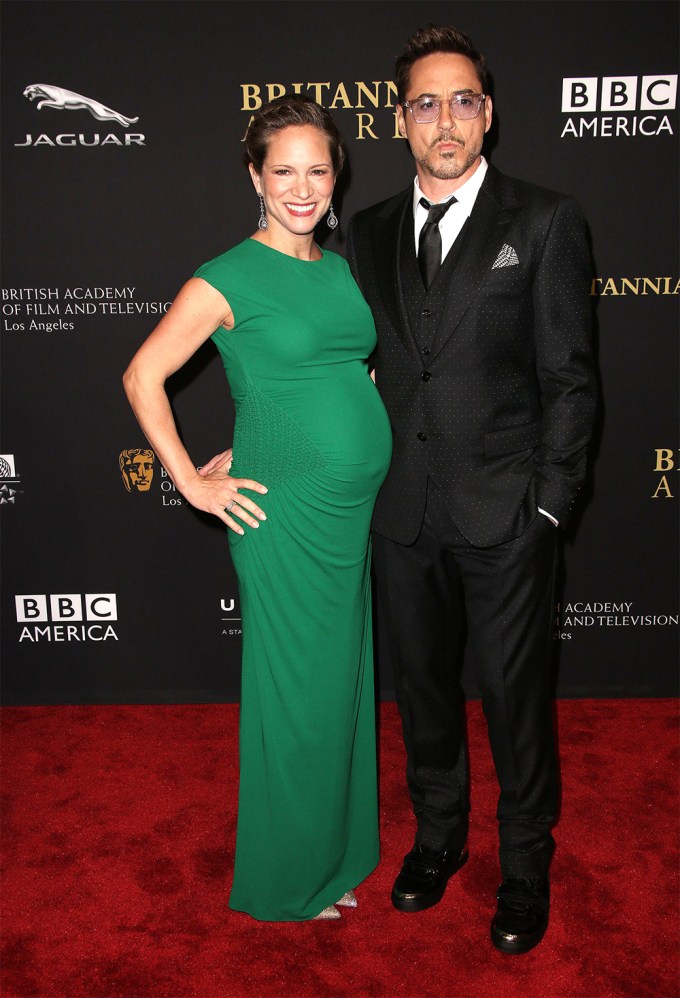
(136,467)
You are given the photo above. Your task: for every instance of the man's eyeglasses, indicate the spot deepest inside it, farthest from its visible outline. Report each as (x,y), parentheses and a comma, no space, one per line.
(463,106)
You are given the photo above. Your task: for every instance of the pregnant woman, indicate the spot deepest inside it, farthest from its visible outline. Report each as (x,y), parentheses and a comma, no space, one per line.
(312,444)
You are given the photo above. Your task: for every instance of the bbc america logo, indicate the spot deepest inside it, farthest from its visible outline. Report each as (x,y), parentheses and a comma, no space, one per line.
(619,93)
(66,616)
(619,106)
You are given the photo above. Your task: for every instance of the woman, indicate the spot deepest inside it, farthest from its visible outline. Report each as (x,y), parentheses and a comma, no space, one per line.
(294,334)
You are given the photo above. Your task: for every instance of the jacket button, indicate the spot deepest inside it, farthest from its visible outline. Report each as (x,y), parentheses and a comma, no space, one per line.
(421,436)
(426,312)
(426,351)
(426,375)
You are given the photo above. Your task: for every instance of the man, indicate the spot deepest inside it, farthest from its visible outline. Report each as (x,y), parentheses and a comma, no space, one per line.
(479,288)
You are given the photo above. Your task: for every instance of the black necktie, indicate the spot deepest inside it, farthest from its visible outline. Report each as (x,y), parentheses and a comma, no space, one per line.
(430,242)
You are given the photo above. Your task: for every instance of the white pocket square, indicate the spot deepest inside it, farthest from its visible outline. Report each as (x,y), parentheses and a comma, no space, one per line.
(506,258)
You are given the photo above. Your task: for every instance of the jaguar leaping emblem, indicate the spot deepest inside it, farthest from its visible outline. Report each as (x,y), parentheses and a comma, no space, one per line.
(67,100)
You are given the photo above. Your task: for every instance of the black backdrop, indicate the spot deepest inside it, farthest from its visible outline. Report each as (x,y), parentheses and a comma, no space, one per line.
(115,596)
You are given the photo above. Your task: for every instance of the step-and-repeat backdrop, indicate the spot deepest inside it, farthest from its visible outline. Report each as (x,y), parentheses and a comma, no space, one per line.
(122,172)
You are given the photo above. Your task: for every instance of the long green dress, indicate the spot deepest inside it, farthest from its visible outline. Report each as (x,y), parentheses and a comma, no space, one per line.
(310,426)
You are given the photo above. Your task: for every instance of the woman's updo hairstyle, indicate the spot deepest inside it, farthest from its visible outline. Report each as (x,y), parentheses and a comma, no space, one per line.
(290,109)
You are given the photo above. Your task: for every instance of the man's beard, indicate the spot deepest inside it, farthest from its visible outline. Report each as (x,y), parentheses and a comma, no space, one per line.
(452,169)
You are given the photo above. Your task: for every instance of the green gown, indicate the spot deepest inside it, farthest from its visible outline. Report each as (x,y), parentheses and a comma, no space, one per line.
(310,426)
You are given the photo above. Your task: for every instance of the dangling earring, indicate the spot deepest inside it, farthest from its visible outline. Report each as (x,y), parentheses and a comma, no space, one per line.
(262,222)
(332,219)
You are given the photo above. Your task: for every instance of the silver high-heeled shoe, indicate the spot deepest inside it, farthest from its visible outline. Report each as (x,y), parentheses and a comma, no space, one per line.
(330,912)
(348,900)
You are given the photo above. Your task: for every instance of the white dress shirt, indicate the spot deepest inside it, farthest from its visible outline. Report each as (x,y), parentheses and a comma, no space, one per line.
(455,218)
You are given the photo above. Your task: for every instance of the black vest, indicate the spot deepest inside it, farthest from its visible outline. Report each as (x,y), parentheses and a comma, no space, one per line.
(425,308)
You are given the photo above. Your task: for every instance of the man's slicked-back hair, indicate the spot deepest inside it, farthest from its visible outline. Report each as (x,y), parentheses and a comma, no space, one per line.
(433,39)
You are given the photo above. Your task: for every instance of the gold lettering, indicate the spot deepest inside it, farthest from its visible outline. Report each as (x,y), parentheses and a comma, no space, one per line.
(316,90)
(364,122)
(664,459)
(633,285)
(251,97)
(243,138)
(376,93)
(397,135)
(663,487)
(275,90)
(363,91)
(341,95)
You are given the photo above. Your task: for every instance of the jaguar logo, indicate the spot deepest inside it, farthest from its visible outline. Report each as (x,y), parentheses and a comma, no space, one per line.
(67,100)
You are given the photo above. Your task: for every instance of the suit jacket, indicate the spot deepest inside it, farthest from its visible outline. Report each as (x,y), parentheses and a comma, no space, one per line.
(500,411)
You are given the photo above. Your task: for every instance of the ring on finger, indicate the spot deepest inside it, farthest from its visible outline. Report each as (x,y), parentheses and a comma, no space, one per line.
(228,508)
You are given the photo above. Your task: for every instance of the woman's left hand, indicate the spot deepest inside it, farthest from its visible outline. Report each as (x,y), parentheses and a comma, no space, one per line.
(220,462)
(218,493)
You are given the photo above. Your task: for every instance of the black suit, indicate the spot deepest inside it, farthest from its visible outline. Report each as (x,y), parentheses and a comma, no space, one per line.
(488,382)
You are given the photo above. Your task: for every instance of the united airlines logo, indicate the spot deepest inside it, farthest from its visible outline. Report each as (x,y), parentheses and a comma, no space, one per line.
(46,95)
(231,616)
(9,477)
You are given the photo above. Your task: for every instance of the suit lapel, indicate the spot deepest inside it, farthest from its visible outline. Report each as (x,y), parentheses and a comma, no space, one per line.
(484,235)
(387,254)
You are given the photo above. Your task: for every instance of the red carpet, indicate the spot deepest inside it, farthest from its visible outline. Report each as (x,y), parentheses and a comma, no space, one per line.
(119,827)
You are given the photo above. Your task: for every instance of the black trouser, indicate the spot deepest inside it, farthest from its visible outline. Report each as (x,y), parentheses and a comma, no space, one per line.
(426,593)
